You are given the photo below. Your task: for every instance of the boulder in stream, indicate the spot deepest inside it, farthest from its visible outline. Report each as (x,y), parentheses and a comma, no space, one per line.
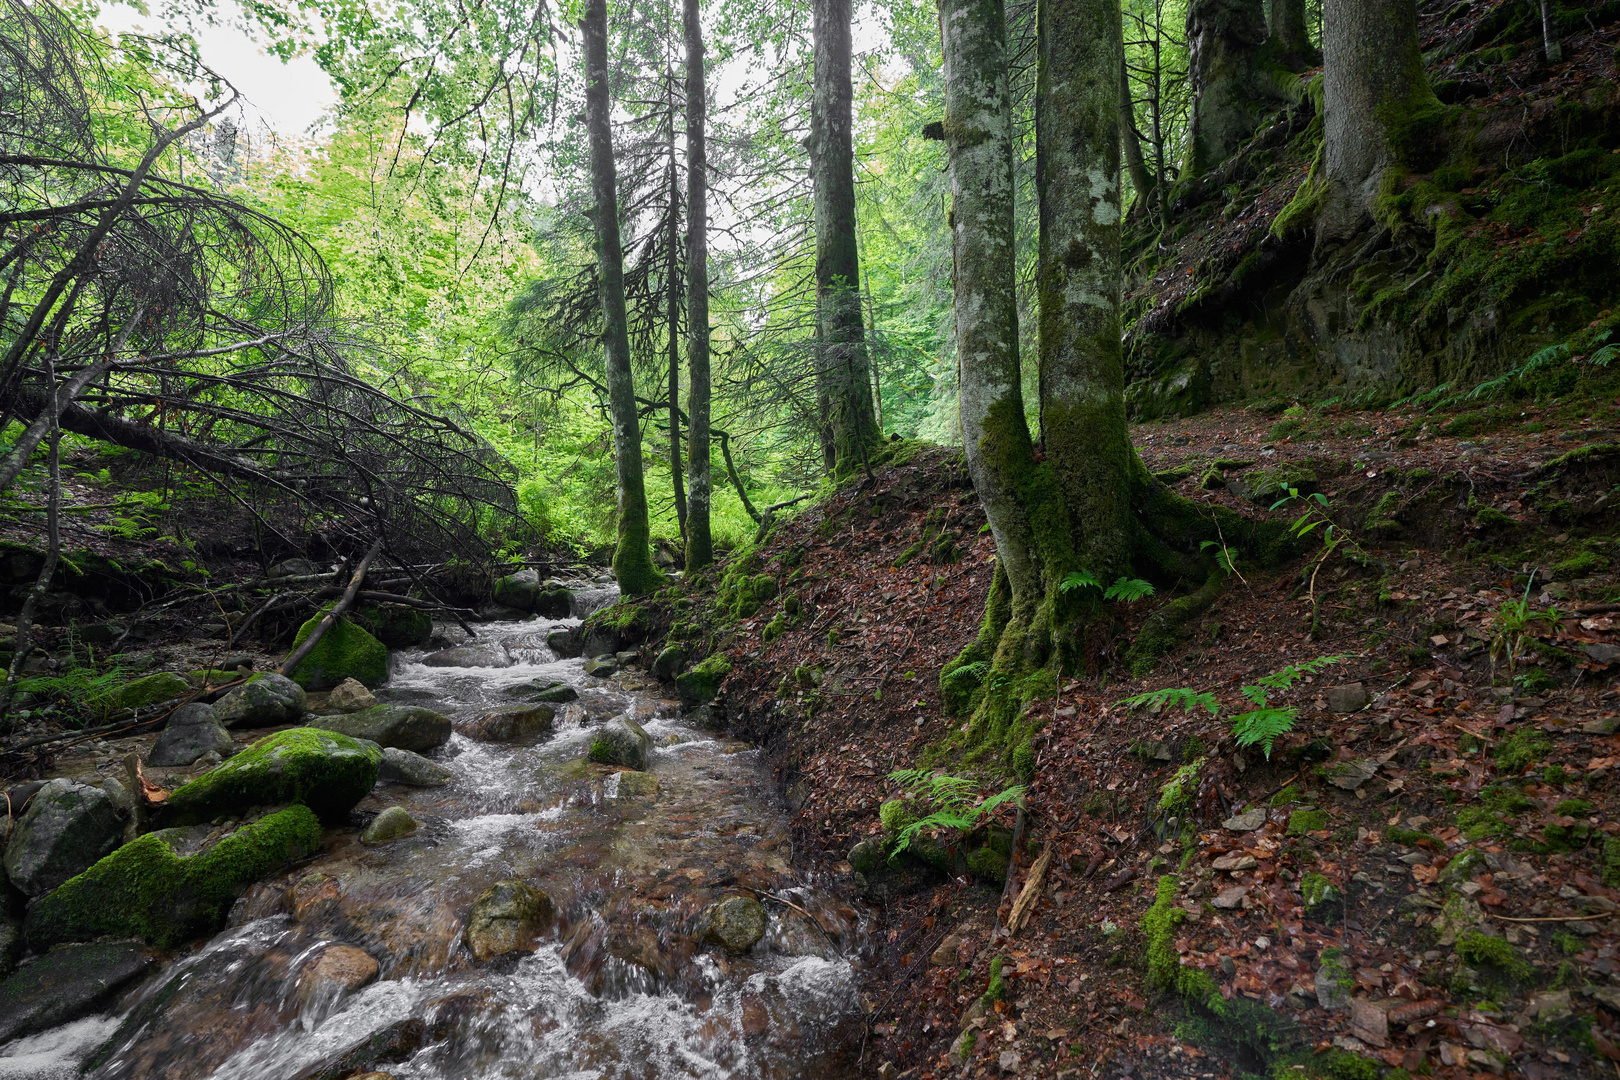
(150,690)
(509,917)
(735,923)
(549,692)
(395,625)
(346,651)
(350,696)
(563,641)
(325,770)
(518,590)
(508,725)
(482,656)
(602,666)
(403,767)
(622,741)
(68,983)
(669,663)
(553,601)
(340,970)
(409,727)
(264,700)
(67,827)
(699,685)
(172,885)
(393,823)
(191,733)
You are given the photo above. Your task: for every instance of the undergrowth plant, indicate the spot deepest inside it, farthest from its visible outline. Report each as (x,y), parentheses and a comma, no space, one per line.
(1260,726)
(78,687)
(954,802)
(1124,588)
(1513,624)
(1333,535)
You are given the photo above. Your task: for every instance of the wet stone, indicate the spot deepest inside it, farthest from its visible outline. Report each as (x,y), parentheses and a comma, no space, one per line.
(509,917)
(403,767)
(339,970)
(392,824)
(191,733)
(263,701)
(471,656)
(67,828)
(350,695)
(1349,698)
(508,725)
(622,741)
(601,666)
(67,983)
(736,923)
(408,727)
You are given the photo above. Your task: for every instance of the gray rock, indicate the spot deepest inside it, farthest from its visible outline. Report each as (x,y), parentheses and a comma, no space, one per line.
(392,824)
(1350,775)
(550,693)
(600,641)
(601,666)
(1333,985)
(518,590)
(669,663)
(561,642)
(483,656)
(626,657)
(292,568)
(67,983)
(67,828)
(11,941)
(508,725)
(403,767)
(622,741)
(509,917)
(264,701)
(736,923)
(1349,698)
(1602,652)
(351,695)
(405,726)
(553,602)
(1248,821)
(192,732)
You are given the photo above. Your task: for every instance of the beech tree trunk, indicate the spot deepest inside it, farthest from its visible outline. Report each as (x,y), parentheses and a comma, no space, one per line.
(1131,143)
(1551,47)
(1228,71)
(699,541)
(672,300)
(632,560)
(844,384)
(1372,81)
(1290,35)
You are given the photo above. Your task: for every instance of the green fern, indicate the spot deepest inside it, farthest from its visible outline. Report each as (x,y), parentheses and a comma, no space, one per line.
(1128,589)
(1079,579)
(952,798)
(1173,697)
(1261,727)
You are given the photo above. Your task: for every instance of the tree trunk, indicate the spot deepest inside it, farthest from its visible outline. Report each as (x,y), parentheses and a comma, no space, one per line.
(842,376)
(1551,48)
(1227,70)
(1290,36)
(632,561)
(672,295)
(699,543)
(1373,82)
(1131,143)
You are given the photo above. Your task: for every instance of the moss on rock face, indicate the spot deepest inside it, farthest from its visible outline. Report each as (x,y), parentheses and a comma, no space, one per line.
(150,690)
(346,651)
(323,770)
(146,890)
(396,625)
(699,685)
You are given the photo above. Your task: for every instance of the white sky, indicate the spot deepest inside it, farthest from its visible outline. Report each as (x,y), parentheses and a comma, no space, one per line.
(290,99)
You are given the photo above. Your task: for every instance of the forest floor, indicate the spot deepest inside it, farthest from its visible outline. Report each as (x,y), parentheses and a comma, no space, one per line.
(1457,829)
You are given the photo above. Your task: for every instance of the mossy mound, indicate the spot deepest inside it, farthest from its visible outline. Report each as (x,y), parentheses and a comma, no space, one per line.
(322,770)
(395,625)
(700,684)
(146,890)
(150,690)
(346,651)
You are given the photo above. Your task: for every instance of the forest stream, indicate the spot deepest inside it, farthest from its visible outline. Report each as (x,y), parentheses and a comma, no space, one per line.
(622,987)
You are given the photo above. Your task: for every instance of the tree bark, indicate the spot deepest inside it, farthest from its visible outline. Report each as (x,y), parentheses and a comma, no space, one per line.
(333,614)
(632,560)
(699,542)
(844,383)
(1373,80)
(672,293)
(1551,47)
(1290,35)
(1131,143)
(1082,373)
(1227,69)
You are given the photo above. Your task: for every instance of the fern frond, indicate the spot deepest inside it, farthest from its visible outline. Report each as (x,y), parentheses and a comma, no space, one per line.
(1261,727)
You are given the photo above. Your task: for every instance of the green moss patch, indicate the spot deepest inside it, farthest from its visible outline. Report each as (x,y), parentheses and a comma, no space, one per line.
(345,651)
(145,890)
(701,682)
(1301,822)
(322,770)
(1520,750)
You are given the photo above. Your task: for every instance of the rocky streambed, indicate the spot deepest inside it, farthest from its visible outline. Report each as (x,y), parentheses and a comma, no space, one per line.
(515,909)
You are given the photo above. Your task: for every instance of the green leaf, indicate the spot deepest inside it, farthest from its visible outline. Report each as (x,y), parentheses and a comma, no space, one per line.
(1079,579)
(1172,697)
(1129,589)
(1261,727)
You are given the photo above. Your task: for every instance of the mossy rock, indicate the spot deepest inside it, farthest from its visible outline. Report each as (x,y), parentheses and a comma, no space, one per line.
(346,651)
(1301,822)
(147,890)
(701,682)
(622,741)
(396,625)
(1265,486)
(323,770)
(988,864)
(150,690)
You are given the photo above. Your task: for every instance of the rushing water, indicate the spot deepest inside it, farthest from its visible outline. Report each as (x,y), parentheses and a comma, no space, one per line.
(620,989)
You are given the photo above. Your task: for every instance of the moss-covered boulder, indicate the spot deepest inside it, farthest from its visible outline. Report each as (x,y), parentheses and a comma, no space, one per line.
(509,917)
(397,626)
(68,983)
(622,741)
(265,700)
(735,923)
(323,770)
(67,827)
(517,590)
(409,727)
(701,682)
(151,889)
(345,651)
(151,689)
